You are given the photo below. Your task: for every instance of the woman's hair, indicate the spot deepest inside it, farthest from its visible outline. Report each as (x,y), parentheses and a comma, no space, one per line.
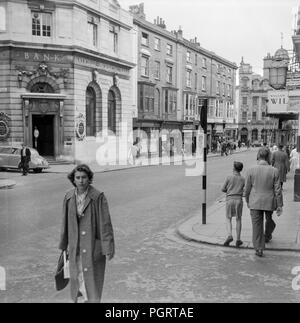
(81,168)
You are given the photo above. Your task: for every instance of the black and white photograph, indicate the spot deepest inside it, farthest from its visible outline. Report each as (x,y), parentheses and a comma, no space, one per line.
(150,153)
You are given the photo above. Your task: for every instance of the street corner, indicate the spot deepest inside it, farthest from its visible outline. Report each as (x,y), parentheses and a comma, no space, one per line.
(7,184)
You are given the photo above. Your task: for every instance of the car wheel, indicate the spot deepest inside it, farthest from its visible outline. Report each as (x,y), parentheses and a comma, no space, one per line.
(38,170)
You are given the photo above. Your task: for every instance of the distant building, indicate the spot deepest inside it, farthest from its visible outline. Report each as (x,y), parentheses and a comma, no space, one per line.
(174,76)
(254,124)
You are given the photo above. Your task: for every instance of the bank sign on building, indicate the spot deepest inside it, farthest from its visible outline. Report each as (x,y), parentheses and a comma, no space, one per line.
(66,70)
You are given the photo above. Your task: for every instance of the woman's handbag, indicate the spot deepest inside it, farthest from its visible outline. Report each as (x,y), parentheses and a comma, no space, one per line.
(61,281)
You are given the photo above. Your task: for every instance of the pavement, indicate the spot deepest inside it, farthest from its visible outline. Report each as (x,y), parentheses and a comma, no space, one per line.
(6,183)
(286,236)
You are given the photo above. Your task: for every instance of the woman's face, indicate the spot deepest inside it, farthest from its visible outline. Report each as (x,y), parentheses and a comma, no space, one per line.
(81,180)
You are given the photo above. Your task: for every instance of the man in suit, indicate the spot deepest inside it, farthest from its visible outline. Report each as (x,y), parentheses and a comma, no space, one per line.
(280,160)
(25,159)
(263,195)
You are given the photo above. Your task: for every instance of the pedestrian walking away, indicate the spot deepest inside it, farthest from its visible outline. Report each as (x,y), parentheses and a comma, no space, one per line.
(280,160)
(265,145)
(25,159)
(294,159)
(87,235)
(263,195)
(234,188)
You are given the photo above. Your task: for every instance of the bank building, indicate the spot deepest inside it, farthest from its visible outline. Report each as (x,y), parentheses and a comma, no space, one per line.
(66,69)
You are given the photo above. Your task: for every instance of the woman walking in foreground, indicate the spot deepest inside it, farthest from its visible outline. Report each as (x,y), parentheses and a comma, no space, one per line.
(87,235)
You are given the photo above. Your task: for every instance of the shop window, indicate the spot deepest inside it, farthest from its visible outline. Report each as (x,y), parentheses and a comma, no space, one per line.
(90,112)
(41,24)
(112,109)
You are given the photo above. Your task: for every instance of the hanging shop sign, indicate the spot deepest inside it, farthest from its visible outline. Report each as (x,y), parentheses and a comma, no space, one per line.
(278,101)
(4,126)
(80,127)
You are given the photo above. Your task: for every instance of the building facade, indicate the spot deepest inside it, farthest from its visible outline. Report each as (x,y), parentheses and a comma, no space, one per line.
(255,126)
(67,68)
(174,76)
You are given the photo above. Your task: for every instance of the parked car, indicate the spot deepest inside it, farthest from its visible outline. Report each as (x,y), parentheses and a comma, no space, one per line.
(10,157)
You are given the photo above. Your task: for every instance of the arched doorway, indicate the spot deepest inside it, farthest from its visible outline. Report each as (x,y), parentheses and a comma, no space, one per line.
(90,111)
(111,113)
(244,135)
(254,135)
(43,121)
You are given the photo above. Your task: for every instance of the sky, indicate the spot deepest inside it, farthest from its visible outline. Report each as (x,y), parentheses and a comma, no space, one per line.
(230,28)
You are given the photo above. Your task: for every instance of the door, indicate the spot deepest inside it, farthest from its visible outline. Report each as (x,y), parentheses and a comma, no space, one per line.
(43,134)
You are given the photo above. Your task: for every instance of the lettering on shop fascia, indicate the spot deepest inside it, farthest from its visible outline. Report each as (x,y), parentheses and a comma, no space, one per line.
(42,70)
(101,66)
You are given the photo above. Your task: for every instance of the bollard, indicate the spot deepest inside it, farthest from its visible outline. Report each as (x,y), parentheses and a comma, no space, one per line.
(297,185)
